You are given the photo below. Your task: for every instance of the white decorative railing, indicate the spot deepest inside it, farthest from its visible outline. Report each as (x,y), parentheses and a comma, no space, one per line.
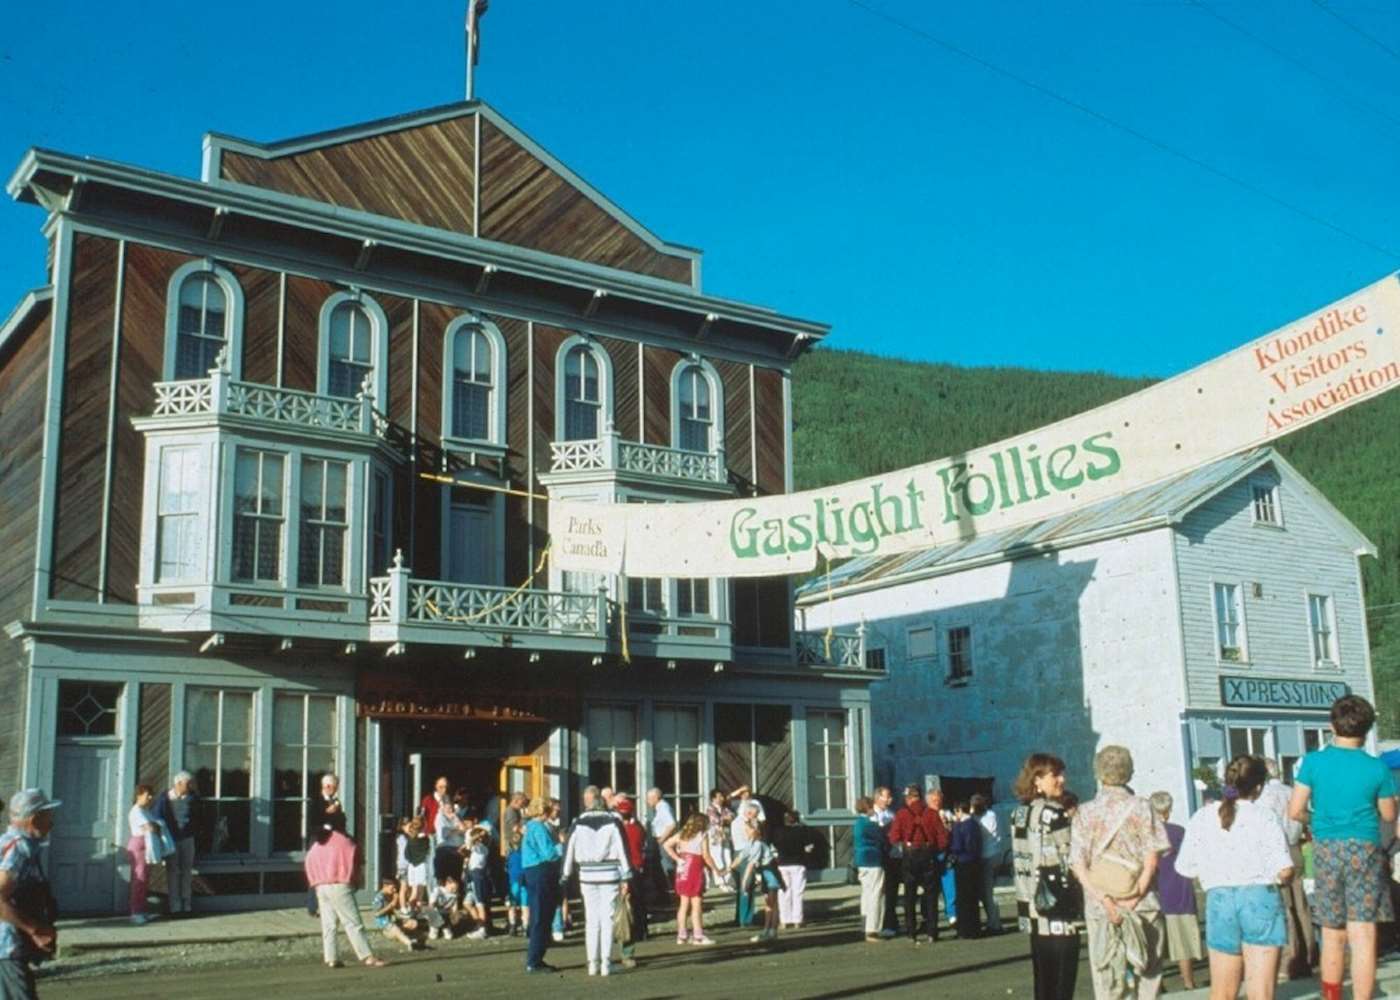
(845,649)
(400,599)
(610,453)
(220,395)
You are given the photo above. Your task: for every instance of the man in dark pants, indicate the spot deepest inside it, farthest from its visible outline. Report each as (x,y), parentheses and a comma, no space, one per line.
(324,816)
(893,863)
(920,833)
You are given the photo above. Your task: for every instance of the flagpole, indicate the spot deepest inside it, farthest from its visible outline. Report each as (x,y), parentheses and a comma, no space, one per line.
(471,63)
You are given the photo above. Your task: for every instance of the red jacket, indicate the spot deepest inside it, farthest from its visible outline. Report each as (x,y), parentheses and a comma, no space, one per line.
(919,825)
(634,835)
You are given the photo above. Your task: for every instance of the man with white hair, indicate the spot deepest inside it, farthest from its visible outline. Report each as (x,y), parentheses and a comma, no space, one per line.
(176,809)
(27,934)
(598,852)
(324,816)
(662,825)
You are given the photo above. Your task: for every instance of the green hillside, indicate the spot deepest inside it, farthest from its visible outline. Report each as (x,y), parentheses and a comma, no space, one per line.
(856,414)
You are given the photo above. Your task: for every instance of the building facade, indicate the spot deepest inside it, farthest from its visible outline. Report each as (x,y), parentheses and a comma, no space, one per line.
(279,444)
(1215,614)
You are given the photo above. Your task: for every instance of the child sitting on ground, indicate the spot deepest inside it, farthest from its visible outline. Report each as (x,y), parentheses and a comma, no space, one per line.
(478,851)
(446,918)
(385,904)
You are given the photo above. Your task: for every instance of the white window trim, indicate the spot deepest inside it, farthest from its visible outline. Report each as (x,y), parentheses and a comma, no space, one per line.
(1244,659)
(1335,664)
(605,378)
(909,643)
(233,314)
(496,418)
(209,528)
(716,401)
(948,677)
(378,345)
(1277,490)
(847,729)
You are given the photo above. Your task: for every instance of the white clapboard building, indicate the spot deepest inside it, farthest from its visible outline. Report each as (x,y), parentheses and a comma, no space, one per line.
(1216,613)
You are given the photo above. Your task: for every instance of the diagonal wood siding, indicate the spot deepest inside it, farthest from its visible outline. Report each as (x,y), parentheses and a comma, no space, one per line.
(768,427)
(738,447)
(146,279)
(83,438)
(153,736)
(262,310)
(773,752)
(525,203)
(305,296)
(660,362)
(626,397)
(423,174)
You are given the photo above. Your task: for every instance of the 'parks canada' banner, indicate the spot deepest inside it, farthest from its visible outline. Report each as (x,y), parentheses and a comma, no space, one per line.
(1341,355)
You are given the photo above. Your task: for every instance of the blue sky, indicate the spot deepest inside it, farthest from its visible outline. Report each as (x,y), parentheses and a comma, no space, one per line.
(830,163)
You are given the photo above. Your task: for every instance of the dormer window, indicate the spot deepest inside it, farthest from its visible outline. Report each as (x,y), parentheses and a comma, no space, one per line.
(354,342)
(696,407)
(204,315)
(474,363)
(583,391)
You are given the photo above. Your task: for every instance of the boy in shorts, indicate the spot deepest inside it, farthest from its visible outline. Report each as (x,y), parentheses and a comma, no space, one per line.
(1351,793)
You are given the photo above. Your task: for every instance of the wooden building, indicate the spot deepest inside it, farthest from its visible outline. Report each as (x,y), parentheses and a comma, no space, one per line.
(278,448)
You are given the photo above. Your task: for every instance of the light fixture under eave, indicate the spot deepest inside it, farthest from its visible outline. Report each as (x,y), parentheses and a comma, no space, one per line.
(719,667)
(469,653)
(534,657)
(597,661)
(670,664)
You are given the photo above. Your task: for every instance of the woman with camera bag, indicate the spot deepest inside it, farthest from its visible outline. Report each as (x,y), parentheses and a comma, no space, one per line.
(1049,904)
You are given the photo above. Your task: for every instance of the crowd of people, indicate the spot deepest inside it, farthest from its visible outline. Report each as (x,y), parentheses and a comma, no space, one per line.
(1112,872)
(1115,871)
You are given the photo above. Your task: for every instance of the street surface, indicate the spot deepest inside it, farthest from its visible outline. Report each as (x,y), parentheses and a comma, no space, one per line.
(826,960)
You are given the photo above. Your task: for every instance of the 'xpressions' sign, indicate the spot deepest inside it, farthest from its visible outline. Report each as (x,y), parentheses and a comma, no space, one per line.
(1279,692)
(1340,356)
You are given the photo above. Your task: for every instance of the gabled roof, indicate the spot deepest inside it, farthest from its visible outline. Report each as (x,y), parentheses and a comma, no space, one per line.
(462,167)
(31,308)
(1159,505)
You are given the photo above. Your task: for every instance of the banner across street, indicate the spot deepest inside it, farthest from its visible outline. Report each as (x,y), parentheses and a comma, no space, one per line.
(1339,356)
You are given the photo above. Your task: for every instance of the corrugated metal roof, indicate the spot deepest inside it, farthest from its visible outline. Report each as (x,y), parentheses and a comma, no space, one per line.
(1167,499)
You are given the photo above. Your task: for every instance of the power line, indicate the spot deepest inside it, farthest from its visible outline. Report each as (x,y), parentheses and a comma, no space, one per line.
(1326,8)
(1126,129)
(1294,61)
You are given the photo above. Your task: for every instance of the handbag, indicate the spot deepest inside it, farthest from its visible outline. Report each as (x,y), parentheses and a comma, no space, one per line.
(622,921)
(1112,874)
(1058,895)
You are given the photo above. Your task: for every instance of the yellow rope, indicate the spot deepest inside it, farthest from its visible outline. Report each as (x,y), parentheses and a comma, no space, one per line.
(626,649)
(461,619)
(482,486)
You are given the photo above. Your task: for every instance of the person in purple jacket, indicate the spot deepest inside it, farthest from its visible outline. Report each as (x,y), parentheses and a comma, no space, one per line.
(1178,896)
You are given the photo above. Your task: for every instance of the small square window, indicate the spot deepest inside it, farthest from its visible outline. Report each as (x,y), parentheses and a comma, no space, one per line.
(875,658)
(1265,500)
(921,643)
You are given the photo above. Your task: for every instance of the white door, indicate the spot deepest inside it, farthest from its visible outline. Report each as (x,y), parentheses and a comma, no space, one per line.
(471,556)
(82,857)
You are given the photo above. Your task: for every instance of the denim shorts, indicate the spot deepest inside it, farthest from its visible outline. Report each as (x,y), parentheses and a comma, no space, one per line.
(1244,914)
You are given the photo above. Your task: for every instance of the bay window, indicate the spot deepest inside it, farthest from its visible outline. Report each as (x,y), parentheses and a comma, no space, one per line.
(258,515)
(323,526)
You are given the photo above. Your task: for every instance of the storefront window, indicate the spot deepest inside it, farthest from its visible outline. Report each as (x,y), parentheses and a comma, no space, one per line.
(304,748)
(219,753)
(612,747)
(676,731)
(826,760)
(1249,740)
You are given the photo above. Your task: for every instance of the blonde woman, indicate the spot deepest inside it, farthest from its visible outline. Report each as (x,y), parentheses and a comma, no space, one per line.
(540,860)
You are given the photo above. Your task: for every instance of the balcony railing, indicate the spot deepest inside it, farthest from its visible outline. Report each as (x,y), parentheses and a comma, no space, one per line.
(610,453)
(845,650)
(400,604)
(220,395)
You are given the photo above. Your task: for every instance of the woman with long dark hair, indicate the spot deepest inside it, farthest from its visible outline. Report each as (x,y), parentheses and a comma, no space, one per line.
(1237,849)
(1040,837)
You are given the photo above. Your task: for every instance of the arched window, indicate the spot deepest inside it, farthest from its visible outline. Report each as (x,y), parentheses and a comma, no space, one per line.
(353,345)
(204,315)
(697,410)
(473,402)
(350,353)
(583,398)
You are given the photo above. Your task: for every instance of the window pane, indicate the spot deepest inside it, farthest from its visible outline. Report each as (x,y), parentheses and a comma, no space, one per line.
(333,558)
(245,481)
(311,487)
(201,715)
(232,825)
(287,778)
(335,491)
(320,721)
(269,541)
(288,828)
(235,771)
(238,717)
(271,495)
(286,719)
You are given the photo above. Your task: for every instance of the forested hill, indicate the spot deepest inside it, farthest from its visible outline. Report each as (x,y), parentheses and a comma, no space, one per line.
(855,415)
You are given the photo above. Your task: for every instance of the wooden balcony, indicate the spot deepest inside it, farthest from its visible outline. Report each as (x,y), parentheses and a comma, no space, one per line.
(839,651)
(610,456)
(403,609)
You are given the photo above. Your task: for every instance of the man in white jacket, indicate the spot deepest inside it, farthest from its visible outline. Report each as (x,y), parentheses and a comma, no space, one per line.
(598,852)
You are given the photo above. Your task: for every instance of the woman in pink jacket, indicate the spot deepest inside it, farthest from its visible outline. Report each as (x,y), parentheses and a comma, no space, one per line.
(330,871)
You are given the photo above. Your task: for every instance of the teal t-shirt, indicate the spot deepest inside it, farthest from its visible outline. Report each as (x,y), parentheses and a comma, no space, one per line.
(1345,784)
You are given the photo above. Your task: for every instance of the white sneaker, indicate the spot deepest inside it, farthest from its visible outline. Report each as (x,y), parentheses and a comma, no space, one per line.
(558,937)
(478,935)
(432,933)
(605,969)
(592,968)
